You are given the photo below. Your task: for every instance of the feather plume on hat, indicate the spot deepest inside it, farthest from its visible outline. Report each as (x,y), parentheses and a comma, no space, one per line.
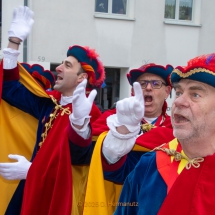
(90,62)
(200,68)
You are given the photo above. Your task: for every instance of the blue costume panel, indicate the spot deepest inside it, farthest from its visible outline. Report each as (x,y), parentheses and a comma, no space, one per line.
(144,189)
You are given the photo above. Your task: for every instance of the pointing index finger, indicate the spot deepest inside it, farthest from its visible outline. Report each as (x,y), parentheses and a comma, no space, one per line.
(138,93)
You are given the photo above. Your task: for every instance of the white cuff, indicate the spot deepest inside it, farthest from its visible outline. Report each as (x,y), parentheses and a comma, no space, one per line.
(112,124)
(114,148)
(114,120)
(83,132)
(10,58)
(77,121)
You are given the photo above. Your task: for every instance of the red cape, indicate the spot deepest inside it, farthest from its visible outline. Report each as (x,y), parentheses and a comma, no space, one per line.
(100,125)
(48,188)
(162,133)
(193,191)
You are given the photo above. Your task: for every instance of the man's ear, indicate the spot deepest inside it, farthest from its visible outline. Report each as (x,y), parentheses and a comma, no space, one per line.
(168,90)
(82,76)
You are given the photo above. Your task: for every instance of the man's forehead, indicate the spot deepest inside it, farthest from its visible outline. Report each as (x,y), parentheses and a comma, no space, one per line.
(150,76)
(191,84)
(72,60)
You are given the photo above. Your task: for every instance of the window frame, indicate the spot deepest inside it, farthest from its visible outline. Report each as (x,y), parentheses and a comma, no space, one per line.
(196,12)
(109,15)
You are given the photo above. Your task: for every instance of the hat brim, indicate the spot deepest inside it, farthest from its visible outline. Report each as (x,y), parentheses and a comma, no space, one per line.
(88,58)
(197,74)
(163,72)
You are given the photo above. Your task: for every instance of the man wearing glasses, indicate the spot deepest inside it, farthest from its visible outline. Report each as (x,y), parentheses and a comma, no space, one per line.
(178,177)
(137,125)
(150,97)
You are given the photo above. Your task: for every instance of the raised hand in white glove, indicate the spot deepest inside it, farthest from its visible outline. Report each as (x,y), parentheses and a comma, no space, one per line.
(16,170)
(21,23)
(81,105)
(130,111)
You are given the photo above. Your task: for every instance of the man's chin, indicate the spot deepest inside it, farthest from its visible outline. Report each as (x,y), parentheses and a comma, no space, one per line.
(181,134)
(56,87)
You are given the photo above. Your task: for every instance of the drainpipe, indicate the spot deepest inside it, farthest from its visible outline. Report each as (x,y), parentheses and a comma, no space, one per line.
(25,41)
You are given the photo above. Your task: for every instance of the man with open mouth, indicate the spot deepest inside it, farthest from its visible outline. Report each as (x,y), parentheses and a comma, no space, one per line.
(152,89)
(178,177)
(61,119)
(137,125)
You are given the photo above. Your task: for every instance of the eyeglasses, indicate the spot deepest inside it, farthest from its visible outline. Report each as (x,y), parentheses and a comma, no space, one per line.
(155,84)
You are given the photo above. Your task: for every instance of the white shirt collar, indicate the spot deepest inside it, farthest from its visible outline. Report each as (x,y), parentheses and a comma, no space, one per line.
(64,100)
(150,120)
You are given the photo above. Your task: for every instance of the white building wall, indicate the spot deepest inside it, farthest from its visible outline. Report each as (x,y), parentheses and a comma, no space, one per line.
(7,10)
(125,44)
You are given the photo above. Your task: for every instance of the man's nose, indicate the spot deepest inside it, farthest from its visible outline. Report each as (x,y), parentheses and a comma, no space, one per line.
(59,68)
(148,86)
(182,100)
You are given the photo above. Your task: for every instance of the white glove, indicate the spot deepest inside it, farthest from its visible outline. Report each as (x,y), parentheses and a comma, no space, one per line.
(130,111)
(114,147)
(81,105)
(21,23)
(16,170)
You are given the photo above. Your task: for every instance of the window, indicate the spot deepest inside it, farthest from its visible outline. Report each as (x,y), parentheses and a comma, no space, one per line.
(111,6)
(121,9)
(109,95)
(182,11)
